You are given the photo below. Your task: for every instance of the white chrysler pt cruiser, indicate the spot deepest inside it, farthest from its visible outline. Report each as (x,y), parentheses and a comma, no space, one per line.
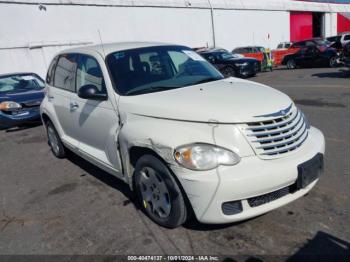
(185,139)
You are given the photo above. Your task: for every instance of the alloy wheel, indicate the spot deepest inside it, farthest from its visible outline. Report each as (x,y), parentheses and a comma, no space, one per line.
(53,141)
(291,64)
(154,192)
(228,71)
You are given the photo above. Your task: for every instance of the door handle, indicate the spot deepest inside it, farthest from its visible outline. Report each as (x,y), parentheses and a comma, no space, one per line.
(73,105)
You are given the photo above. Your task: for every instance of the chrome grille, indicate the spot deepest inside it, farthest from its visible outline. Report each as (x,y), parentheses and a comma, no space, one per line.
(277,136)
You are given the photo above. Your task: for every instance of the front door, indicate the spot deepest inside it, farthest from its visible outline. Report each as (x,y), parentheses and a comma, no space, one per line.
(95,122)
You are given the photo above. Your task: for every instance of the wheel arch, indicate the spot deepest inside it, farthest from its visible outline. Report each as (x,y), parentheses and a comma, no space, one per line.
(45,118)
(136,152)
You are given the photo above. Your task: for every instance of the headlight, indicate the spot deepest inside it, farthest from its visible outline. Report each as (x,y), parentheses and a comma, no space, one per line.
(9,106)
(204,156)
(241,64)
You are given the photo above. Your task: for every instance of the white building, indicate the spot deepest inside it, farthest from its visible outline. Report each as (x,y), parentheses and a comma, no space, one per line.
(31,32)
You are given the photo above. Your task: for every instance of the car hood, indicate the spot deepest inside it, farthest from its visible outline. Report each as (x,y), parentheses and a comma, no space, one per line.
(230,100)
(25,96)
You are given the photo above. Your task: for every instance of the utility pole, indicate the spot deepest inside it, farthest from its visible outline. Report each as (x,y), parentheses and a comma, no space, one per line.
(212,22)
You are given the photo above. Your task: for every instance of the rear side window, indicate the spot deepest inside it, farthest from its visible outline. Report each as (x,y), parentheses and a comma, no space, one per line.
(89,73)
(299,44)
(65,72)
(51,71)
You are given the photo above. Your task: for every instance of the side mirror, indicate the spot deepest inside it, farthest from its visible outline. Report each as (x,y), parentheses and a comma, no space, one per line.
(91,92)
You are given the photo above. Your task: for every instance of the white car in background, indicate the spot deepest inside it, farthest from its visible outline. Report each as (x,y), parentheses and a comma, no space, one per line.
(342,38)
(165,121)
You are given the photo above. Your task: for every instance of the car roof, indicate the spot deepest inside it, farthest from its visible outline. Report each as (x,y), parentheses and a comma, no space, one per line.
(109,48)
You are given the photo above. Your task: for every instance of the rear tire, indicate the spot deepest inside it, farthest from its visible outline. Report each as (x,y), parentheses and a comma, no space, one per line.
(291,64)
(333,62)
(54,141)
(158,193)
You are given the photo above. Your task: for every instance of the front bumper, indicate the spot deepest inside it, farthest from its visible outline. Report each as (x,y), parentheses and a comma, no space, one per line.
(250,70)
(25,116)
(252,177)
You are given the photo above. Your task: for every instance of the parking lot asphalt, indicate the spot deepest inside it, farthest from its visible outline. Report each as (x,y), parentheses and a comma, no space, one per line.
(52,206)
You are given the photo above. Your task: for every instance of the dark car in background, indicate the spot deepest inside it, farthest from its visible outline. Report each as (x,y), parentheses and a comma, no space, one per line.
(319,42)
(311,56)
(347,55)
(232,65)
(20,98)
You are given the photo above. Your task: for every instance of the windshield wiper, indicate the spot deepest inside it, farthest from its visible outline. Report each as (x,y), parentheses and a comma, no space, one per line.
(206,80)
(150,90)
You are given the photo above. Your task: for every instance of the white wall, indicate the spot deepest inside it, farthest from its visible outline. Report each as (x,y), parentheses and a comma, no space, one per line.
(30,37)
(236,28)
(330,24)
(26,25)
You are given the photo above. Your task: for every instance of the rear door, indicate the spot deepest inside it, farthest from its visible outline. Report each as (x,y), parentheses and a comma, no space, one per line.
(95,122)
(60,95)
(303,57)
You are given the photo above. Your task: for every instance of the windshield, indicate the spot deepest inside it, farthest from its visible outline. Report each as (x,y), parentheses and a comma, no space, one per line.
(20,83)
(161,68)
(227,55)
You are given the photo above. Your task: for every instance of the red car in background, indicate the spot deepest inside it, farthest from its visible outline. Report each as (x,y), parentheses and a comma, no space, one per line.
(257,52)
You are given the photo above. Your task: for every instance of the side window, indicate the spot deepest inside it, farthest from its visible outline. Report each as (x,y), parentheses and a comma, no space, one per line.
(51,71)
(310,43)
(299,44)
(65,72)
(179,59)
(89,73)
(347,37)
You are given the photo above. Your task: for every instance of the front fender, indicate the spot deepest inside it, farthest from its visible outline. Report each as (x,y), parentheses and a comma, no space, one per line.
(163,136)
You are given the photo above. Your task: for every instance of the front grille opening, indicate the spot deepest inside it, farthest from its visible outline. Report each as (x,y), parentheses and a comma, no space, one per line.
(269,197)
(232,208)
(277,136)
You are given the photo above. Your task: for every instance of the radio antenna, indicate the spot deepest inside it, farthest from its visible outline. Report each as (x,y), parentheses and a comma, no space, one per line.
(103,48)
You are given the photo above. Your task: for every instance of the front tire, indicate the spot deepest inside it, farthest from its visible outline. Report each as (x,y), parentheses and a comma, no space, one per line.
(228,71)
(158,193)
(291,64)
(54,141)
